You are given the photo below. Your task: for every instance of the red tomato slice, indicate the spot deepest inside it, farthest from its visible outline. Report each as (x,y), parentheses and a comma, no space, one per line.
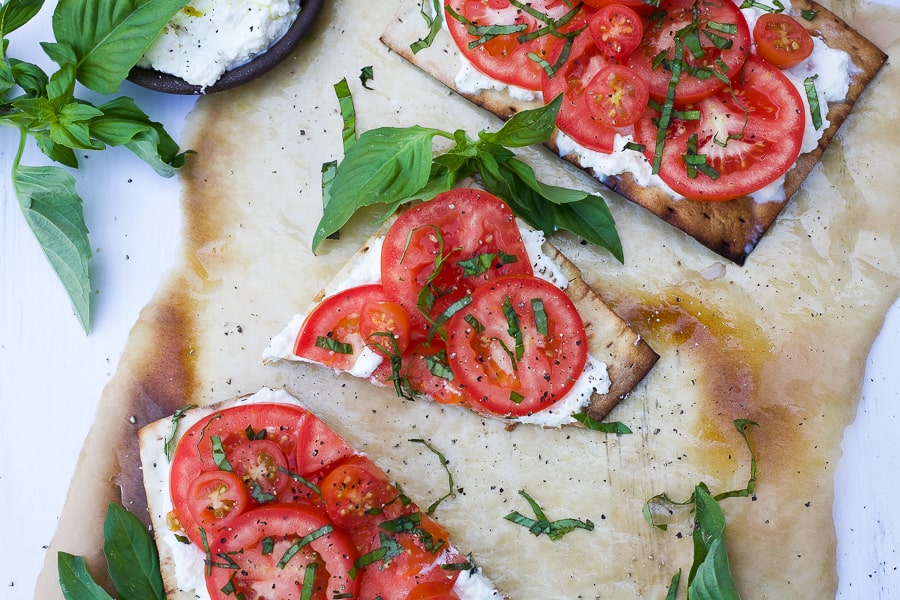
(261,466)
(617,96)
(765,114)
(639,6)
(617,30)
(503,56)
(382,321)
(705,20)
(356,492)
(781,40)
(452,244)
(216,498)
(432,590)
(518,347)
(276,551)
(332,333)
(305,442)
(571,80)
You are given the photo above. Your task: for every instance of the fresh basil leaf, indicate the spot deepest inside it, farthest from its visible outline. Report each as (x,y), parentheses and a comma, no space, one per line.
(526,127)
(131,556)
(75,581)
(673,586)
(7,78)
(61,154)
(602,426)
(109,36)
(710,575)
(444,462)
(30,77)
(54,212)
(16,13)
(383,166)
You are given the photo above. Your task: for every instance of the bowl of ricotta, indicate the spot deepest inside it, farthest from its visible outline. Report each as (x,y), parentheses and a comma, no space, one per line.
(215,45)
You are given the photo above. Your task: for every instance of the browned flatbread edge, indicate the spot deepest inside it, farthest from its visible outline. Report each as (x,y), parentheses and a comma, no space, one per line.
(628,357)
(731,229)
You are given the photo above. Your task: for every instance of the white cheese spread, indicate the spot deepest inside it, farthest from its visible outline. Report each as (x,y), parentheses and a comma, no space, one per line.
(208,37)
(594,378)
(831,68)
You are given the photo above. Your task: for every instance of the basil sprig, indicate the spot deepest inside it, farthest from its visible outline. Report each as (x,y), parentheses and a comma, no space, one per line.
(710,576)
(132,560)
(555,530)
(391,166)
(97,44)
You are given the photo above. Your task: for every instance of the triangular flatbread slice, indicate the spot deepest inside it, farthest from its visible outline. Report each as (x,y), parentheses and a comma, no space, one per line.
(733,228)
(257,493)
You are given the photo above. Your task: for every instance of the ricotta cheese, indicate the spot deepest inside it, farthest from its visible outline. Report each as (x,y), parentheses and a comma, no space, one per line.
(594,378)
(831,67)
(208,37)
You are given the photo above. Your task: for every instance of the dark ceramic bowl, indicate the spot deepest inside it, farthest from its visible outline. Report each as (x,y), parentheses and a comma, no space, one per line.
(170,84)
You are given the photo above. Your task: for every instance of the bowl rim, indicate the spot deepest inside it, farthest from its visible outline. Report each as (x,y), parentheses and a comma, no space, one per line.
(262,63)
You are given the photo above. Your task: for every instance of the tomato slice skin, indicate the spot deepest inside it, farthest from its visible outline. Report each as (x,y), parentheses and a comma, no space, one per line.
(432,590)
(216,498)
(381,317)
(660,38)
(275,573)
(356,493)
(517,364)
(437,243)
(303,439)
(781,41)
(504,57)
(617,30)
(767,146)
(638,6)
(617,96)
(575,119)
(333,332)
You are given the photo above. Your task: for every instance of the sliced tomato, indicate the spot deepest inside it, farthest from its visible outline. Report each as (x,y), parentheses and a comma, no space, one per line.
(750,136)
(711,25)
(332,334)
(305,442)
(261,466)
(432,590)
(410,549)
(518,347)
(617,30)
(356,493)
(571,80)
(287,552)
(505,56)
(781,40)
(450,245)
(385,326)
(617,96)
(642,7)
(215,499)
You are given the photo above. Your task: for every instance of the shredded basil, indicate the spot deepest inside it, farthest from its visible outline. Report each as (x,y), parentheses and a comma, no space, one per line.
(299,544)
(309,580)
(555,530)
(433,22)
(255,435)
(301,479)
(268,545)
(601,426)
(473,322)
(260,495)
(168,448)
(333,345)
(218,453)
(438,366)
(513,327)
(809,14)
(540,317)
(515,397)
(388,549)
(812,97)
(366,74)
(444,462)
(776,8)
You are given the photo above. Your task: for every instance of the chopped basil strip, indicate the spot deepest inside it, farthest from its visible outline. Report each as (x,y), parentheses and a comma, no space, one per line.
(540,317)
(403,523)
(515,397)
(636,147)
(255,435)
(366,74)
(268,545)
(601,426)
(697,162)
(389,549)
(434,24)
(348,135)
(218,453)
(176,418)
(309,581)
(299,544)
(513,328)
(778,6)
(301,479)
(473,322)
(555,530)
(437,365)
(809,14)
(323,341)
(261,496)
(444,462)
(182,538)
(813,98)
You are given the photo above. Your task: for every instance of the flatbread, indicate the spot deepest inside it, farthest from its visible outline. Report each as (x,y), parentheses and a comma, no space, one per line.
(782,341)
(731,229)
(625,354)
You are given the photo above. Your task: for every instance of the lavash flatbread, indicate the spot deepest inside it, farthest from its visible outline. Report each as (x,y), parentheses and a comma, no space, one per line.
(731,229)
(782,340)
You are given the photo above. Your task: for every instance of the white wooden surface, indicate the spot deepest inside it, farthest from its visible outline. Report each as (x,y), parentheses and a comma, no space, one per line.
(51,374)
